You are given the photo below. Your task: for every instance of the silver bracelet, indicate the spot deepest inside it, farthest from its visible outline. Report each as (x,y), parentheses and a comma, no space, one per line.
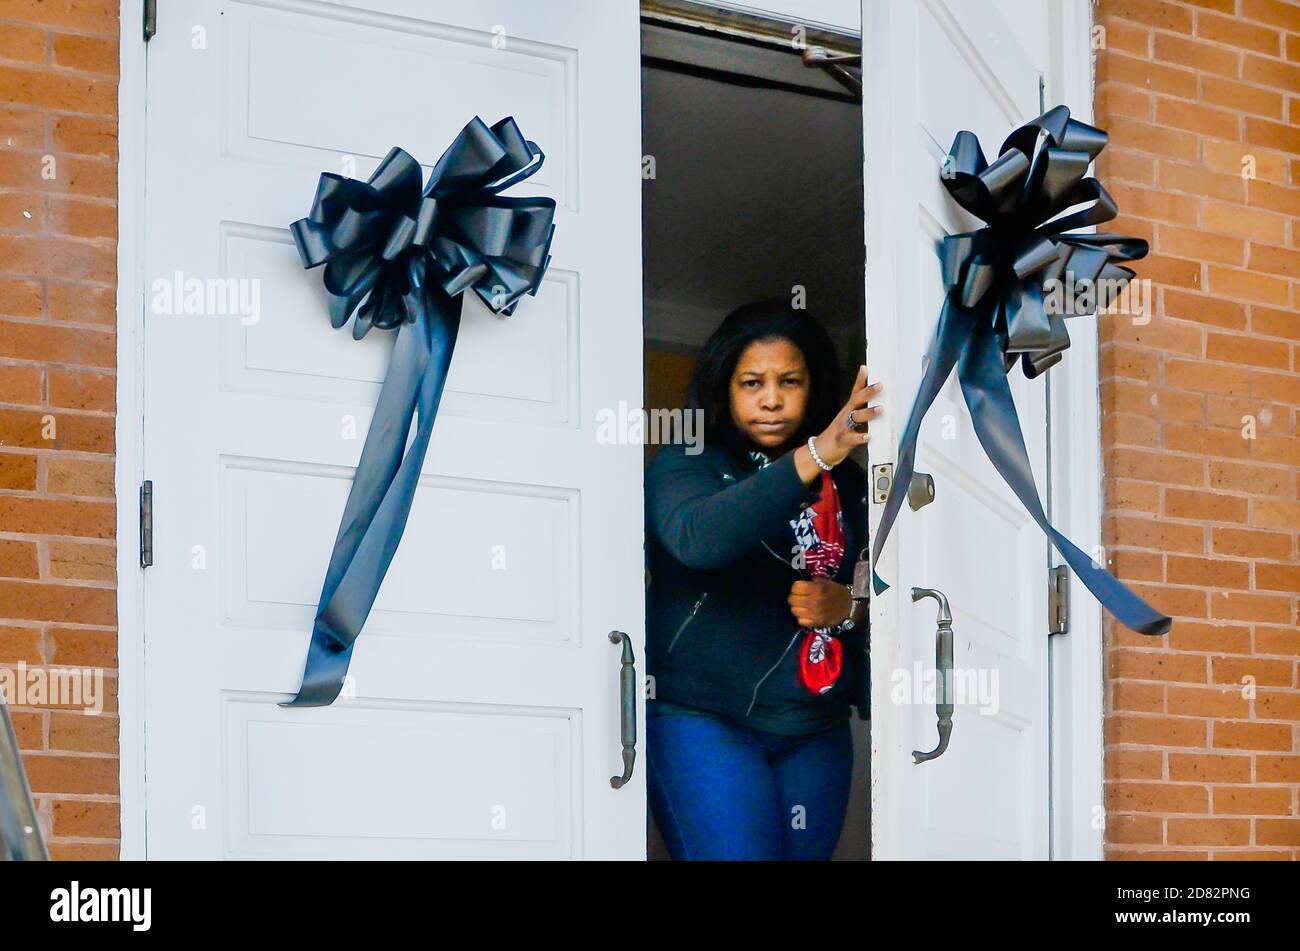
(812,448)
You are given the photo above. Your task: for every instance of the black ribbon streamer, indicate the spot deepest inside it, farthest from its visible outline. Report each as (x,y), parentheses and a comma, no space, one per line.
(398,256)
(996,311)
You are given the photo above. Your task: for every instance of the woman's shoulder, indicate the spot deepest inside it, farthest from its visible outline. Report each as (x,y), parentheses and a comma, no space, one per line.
(674,457)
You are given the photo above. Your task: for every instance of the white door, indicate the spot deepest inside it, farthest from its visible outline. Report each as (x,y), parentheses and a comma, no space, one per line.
(932,68)
(482,716)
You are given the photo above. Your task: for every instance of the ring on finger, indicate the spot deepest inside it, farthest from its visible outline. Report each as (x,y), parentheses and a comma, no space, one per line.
(852,423)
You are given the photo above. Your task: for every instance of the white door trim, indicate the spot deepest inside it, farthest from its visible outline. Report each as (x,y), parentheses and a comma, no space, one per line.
(1076,469)
(129,465)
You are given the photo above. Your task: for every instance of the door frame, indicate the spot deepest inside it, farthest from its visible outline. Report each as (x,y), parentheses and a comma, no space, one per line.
(1076,708)
(129,424)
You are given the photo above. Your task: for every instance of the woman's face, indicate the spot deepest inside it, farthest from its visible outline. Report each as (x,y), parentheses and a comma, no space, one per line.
(769,392)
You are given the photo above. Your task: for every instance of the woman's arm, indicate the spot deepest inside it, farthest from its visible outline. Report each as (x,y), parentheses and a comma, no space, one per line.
(703,526)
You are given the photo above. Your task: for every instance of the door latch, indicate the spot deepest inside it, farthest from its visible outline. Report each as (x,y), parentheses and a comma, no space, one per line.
(882,477)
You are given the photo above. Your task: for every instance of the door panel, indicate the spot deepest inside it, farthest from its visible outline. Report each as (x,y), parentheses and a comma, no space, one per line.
(931,68)
(481,718)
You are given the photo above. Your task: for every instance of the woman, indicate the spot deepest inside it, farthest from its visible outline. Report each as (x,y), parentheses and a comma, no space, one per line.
(756,647)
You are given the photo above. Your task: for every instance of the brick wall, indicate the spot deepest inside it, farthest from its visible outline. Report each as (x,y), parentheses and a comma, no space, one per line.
(1201,517)
(58,222)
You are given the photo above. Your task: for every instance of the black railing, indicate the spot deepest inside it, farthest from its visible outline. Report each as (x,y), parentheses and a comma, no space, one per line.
(20,832)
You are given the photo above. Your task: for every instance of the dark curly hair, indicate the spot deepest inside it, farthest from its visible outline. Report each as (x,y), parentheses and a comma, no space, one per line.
(710,386)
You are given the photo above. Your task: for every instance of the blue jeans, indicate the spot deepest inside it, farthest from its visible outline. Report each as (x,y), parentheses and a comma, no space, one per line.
(719,790)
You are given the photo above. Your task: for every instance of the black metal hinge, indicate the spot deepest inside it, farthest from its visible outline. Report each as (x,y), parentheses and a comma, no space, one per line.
(146,523)
(150,19)
(1058,600)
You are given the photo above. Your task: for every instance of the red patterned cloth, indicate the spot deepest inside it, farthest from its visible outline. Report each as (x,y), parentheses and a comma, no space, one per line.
(820,533)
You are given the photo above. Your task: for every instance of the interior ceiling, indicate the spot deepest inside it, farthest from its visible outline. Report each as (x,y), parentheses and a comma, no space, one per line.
(756,190)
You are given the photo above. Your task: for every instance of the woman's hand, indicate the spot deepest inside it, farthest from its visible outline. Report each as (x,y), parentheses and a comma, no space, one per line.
(838,440)
(820,602)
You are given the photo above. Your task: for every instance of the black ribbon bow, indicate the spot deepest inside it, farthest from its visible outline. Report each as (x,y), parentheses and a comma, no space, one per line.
(398,256)
(1001,283)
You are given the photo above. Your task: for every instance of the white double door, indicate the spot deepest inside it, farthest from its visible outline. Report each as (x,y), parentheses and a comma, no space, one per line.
(482,714)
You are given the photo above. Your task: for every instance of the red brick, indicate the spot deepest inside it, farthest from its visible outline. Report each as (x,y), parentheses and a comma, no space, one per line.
(1239,801)
(83,219)
(86,818)
(1202,308)
(1207,701)
(1157,797)
(83,733)
(44,343)
(1278,832)
(1209,768)
(1157,13)
(1235,158)
(72,773)
(1276,513)
(1202,119)
(77,604)
(1275,323)
(57,517)
(1245,543)
(1277,577)
(1135,830)
(1207,572)
(85,135)
(17,471)
(24,43)
(82,390)
(1125,36)
(1246,222)
(82,561)
(1239,606)
(1273,12)
(1203,57)
(82,304)
(18,559)
(89,478)
(1205,441)
(1231,282)
(82,647)
(1277,640)
(1193,244)
(68,92)
(1150,203)
(1137,697)
(1208,831)
(1247,735)
(20,385)
(1204,506)
(1275,386)
(21,645)
(88,54)
(1259,670)
(45,429)
(1233,31)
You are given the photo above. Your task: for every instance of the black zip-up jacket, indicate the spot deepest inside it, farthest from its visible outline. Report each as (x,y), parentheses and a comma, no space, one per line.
(718,546)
